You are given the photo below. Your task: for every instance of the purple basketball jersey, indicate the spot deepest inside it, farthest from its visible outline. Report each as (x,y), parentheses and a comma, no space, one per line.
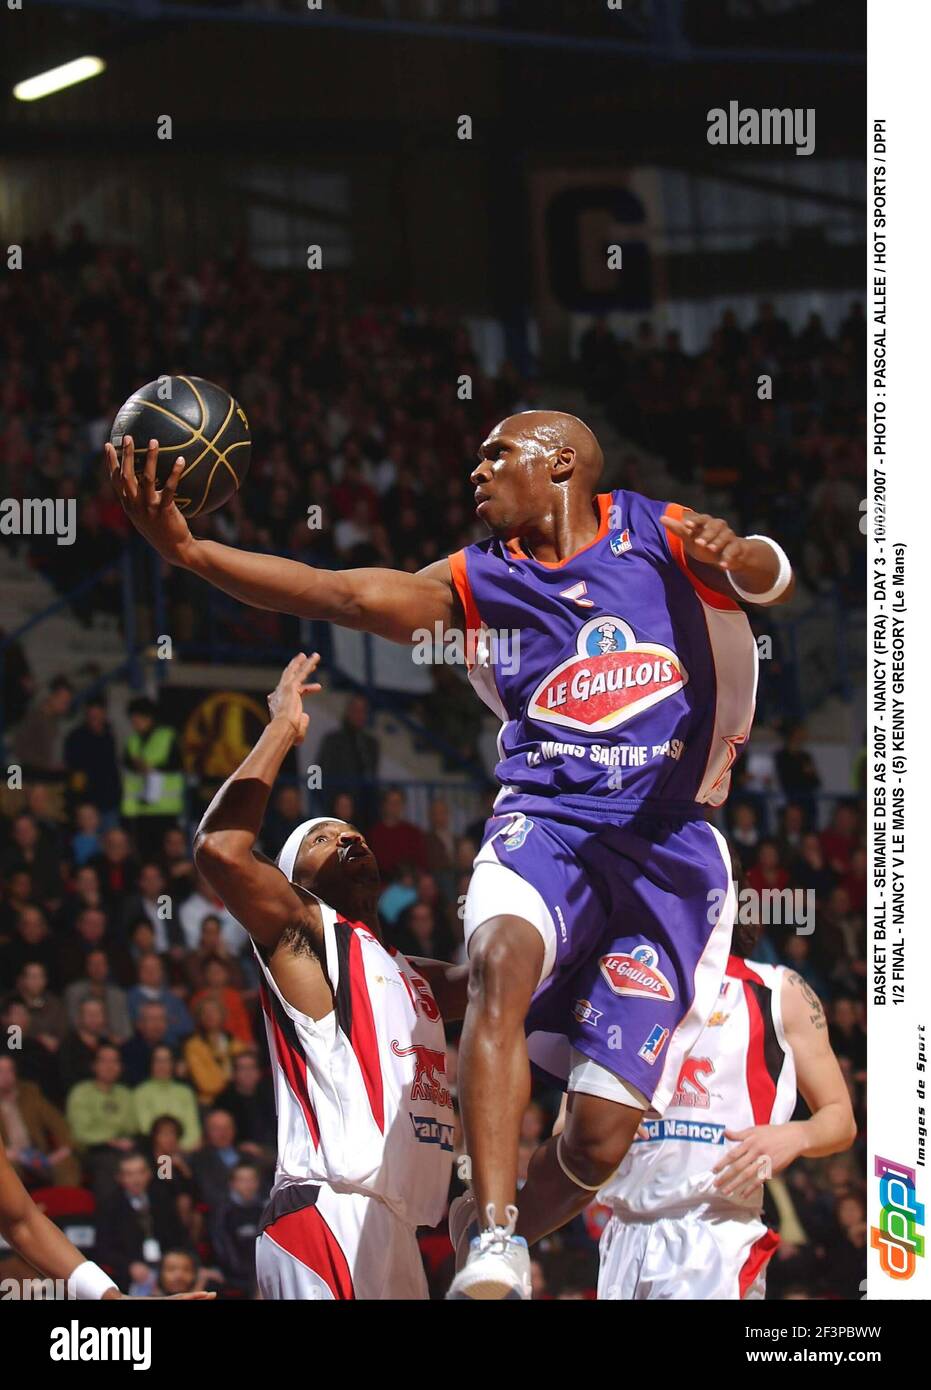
(632,682)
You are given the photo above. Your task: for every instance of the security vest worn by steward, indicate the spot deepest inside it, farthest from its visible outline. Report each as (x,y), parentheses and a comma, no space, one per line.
(159,792)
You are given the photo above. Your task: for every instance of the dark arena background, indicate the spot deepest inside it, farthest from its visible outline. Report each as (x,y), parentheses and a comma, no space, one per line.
(383,225)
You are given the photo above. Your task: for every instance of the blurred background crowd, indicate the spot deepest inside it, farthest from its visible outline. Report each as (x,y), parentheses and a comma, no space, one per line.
(138,1097)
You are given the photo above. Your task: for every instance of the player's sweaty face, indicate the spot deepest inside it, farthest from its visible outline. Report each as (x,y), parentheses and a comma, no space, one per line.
(511,479)
(331,852)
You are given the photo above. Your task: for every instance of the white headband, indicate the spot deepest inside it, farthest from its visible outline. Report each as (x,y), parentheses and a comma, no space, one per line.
(292,845)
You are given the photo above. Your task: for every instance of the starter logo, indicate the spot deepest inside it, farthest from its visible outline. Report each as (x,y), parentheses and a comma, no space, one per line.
(635,972)
(896,1237)
(611,678)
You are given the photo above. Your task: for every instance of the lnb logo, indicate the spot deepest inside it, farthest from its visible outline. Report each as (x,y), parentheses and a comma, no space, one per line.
(896,1237)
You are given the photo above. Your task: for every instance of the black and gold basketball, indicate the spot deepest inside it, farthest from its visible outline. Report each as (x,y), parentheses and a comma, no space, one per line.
(195,420)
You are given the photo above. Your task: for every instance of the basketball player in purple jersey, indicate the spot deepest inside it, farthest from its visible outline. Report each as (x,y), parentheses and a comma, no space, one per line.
(590,918)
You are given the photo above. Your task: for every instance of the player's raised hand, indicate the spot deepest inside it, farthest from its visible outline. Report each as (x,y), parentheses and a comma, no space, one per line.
(709,539)
(152,510)
(287,699)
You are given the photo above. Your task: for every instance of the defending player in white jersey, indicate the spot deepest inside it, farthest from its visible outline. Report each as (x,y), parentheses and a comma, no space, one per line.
(365,1120)
(687,1200)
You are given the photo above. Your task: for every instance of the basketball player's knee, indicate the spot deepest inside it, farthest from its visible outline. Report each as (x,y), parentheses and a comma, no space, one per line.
(592,1155)
(501,978)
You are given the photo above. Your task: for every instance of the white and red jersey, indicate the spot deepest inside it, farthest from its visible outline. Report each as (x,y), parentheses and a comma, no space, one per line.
(740,1073)
(362,1097)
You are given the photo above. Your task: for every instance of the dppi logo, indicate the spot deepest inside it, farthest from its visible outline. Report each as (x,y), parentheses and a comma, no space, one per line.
(611,678)
(896,1237)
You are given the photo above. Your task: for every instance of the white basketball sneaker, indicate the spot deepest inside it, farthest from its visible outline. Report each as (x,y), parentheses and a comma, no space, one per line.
(463,1225)
(498,1263)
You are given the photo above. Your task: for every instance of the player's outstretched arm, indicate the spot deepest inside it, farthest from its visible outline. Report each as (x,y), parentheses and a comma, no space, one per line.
(41,1244)
(766,1150)
(388,603)
(752,567)
(253,888)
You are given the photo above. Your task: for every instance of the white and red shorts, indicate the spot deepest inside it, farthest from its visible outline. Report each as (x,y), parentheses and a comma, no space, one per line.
(317,1244)
(696,1255)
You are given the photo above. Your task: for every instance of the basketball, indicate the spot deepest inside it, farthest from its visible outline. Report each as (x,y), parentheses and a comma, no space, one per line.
(195,420)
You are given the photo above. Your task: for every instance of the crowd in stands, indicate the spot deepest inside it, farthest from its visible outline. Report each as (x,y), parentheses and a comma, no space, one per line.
(772,420)
(135,1065)
(134,1079)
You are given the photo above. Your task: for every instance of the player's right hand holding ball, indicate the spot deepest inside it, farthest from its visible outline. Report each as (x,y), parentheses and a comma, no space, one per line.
(153,512)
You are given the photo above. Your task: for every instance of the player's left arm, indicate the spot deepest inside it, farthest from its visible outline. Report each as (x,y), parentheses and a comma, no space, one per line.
(255,890)
(448,983)
(41,1244)
(752,568)
(765,1150)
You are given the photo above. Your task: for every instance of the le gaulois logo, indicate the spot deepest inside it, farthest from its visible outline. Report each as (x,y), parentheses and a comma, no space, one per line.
(635,972)
(611,678)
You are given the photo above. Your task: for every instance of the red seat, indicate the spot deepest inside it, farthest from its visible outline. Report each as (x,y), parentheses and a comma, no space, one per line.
(61,1202)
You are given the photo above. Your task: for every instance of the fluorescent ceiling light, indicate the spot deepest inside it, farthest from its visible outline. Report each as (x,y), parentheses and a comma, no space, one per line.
(78,70)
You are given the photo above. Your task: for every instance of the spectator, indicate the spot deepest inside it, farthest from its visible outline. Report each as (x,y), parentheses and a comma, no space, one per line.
(205,903)
(136,1224)
(34,1133)
(151,989)
(209,1053)
(250,1100)
(150,1032)
(217,986)
(162,1095)
(177,864)
(284,815)
(840,839)
(236,1227)
(440,843)
(85,843)
(96,984)
(768,873)
(170,1164)
(38,739)
(180,1272)
(34,852)
(211,947)
(116,869)
(395,841)
(153,902)
(349,758)
(101,1115)
(153,781)
(90,934)
(93,771)
(80,1046)
(798,775)
(216,1158)
(31,943)
(48,1020)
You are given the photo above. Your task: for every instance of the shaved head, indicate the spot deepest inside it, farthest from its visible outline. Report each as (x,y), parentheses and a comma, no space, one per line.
(554,430)
(537,475)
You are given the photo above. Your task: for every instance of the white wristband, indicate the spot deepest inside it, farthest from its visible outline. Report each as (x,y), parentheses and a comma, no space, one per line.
(89,1282)
(782,578)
